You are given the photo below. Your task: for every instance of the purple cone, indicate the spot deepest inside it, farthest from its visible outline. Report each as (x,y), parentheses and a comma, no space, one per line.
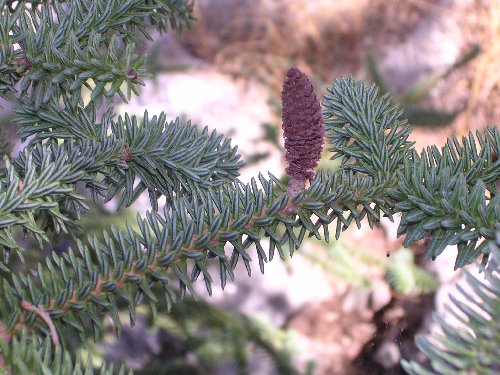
(302,125)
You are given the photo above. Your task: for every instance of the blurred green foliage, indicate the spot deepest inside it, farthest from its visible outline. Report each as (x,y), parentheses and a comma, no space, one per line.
(199,338)
(353,263)
(404,276)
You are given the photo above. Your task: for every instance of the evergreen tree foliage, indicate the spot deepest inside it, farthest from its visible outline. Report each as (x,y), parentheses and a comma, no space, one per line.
(61,63)
(472,347)
(27,354)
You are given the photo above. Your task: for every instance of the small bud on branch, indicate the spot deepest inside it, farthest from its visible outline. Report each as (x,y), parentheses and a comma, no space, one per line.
(132,74)
(126,153)
(23,65)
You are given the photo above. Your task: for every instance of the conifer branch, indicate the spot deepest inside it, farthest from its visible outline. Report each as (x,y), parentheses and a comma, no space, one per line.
(128,264)
(9,70)
(42,314)
(61,46)
(168,158)
(365,130)
(471,344)
(36,194)
(448,195)
(27,354)
(194,230)
(56,50)
(444,208)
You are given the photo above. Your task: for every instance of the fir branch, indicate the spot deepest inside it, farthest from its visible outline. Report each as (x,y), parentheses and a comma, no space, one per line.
(42,314)
(177,12)
(472,346)
(67,72)
(205,215)
(196,229)
(10,72)
(364,129)
(27,354)
(55,50)
(127,265)
(168,158)
(24,200)
(444,196)
(476,158)
(64,45)
(435,201)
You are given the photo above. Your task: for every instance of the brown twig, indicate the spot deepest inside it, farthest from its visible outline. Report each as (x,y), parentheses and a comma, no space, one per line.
(295,186)
(7,336)
(45,317)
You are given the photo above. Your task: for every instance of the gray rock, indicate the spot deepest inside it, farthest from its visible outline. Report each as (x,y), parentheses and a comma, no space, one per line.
(274,296)
(388,354)
(380,296)
(433,46)
(356,300)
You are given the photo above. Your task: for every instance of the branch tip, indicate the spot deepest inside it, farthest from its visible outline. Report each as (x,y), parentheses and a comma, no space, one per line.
(126,153)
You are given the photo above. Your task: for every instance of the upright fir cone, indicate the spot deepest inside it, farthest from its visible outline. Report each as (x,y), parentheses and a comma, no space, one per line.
(302,127)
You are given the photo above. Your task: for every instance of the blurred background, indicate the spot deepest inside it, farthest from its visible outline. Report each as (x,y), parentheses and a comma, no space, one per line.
(352,306)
